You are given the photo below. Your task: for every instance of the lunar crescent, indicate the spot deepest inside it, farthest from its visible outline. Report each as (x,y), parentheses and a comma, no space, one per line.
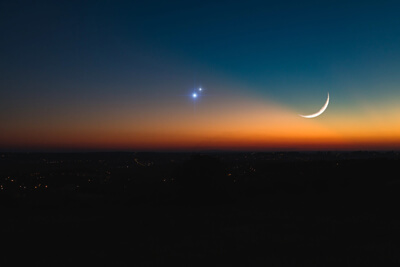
(319,112)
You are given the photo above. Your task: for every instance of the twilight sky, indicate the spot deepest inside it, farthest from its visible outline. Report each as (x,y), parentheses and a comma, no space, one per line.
(119,75)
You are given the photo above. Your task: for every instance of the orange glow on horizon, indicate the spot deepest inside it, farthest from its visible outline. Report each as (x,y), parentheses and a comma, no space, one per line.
(233,124)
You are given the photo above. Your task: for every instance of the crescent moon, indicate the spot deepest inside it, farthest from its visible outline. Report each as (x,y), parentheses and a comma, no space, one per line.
(319,112)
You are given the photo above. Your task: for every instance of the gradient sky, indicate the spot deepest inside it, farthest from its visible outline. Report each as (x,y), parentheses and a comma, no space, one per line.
(119,75)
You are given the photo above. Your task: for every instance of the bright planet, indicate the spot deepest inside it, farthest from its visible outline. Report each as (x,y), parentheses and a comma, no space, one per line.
(123,75)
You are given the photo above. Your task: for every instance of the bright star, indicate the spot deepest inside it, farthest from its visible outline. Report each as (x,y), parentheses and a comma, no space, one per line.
(194,95)
(200,89)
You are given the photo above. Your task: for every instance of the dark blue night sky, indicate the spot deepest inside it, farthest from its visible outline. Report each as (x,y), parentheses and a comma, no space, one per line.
(61,57)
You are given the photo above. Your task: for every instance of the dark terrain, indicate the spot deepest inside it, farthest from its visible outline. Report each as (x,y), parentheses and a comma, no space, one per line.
(211,209)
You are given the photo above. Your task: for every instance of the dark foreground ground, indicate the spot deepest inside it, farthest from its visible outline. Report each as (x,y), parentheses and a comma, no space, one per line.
(216,209)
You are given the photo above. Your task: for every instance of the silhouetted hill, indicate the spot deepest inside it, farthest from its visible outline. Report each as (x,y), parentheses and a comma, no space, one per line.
(234,209)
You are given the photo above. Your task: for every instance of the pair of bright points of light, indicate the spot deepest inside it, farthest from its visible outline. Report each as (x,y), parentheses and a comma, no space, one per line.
(195,95)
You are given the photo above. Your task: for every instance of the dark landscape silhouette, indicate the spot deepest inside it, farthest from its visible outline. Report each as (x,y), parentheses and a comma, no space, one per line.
(200,209)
